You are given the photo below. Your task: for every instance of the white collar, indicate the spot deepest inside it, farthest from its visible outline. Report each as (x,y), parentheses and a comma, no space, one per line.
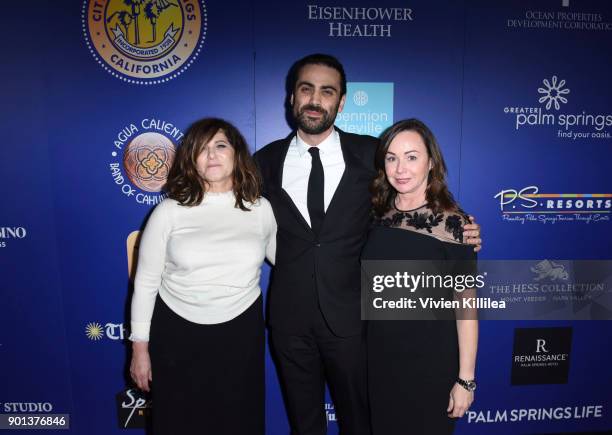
(329,143)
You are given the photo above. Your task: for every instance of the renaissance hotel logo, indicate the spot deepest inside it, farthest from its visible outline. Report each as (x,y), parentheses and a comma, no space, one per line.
(141,157)
(529,205)
(144,41)
(368,108)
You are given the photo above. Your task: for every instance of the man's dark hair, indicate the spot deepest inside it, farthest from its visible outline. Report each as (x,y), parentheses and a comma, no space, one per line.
(316,59)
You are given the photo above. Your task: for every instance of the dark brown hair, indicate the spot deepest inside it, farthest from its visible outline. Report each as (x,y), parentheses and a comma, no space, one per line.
(438,197)
(184,183)
(316,59)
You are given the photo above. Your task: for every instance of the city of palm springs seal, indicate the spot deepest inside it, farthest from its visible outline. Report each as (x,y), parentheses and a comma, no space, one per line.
(144,41)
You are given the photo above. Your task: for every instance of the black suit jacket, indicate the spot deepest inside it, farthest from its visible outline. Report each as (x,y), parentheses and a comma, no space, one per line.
(321,271)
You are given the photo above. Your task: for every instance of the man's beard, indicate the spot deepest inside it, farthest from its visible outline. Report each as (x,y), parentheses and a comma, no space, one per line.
(314,126)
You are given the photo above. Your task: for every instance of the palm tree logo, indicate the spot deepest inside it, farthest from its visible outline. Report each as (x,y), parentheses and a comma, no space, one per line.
(153,9)
(144,41)
(137,13)
(553,93)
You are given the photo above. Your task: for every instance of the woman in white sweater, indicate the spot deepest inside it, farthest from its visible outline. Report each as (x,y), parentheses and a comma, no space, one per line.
(197,318)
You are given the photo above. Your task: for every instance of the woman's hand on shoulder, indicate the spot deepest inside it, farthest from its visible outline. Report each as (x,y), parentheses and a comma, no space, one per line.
(140,367)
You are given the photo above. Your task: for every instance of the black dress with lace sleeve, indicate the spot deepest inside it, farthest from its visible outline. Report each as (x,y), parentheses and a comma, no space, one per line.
(413,365)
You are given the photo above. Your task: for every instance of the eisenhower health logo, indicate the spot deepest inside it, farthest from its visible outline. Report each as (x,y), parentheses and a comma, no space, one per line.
(368,108)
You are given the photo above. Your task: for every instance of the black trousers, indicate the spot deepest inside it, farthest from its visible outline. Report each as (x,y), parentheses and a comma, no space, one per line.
(207,379)
(305,362)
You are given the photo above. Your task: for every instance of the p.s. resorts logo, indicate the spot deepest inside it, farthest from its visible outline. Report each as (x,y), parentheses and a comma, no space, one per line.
(142,155)
(144,41)
(368,108)
(541,355)
(553,96)
(528,205)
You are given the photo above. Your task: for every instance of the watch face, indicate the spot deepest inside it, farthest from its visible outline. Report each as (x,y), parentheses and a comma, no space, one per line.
(472,386)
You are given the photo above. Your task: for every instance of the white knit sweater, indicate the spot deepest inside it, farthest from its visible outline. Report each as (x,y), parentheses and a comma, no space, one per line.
(205,261)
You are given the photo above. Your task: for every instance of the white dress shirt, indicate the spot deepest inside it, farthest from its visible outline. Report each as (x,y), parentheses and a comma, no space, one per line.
(296,170)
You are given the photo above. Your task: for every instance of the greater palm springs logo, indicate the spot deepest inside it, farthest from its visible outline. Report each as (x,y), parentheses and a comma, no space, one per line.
(569,123)
(553,93)
(144,41)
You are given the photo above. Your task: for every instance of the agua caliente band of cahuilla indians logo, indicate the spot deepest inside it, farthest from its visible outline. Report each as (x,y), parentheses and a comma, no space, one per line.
(142,154)
(144,41)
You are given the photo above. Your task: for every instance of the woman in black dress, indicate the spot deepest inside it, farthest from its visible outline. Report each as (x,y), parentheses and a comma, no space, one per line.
(421,372)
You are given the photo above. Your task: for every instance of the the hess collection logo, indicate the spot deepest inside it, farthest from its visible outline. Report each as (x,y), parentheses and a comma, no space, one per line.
(549,270)
(113,331)
(553,96)
(144,41)
(142,155)
(529,205)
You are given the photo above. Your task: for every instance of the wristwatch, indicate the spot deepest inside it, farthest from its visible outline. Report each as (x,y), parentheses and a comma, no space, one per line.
(468,385)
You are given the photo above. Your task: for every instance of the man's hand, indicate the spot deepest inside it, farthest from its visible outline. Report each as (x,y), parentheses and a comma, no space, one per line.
(471,234)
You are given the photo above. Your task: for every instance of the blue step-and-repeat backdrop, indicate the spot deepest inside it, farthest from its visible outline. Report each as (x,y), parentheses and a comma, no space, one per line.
(97,94)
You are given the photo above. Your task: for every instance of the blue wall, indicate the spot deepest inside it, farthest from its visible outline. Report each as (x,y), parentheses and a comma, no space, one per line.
(463,67)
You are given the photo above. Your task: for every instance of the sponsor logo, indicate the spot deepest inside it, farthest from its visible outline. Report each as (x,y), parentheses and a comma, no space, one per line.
(11,233)
(553,96)
(142,155)
(560,19)
(553,92)
(547,269)
(25,407)
(144,41)
(330,412)
(368,108)
(359,22)
(133,409)
(535,414)
(552,290)
(113,331)
(541,355)
(529,205)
